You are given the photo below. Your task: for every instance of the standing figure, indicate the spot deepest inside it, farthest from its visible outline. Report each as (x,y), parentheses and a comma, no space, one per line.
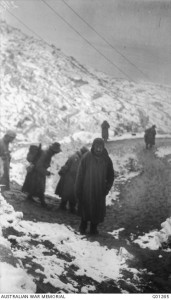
(5,158)
(94,179)
(105,127)
(65,186)
(35,182)
(149,136)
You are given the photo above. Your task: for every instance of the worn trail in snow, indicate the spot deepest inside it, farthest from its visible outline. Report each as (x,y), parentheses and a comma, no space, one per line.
(145,199)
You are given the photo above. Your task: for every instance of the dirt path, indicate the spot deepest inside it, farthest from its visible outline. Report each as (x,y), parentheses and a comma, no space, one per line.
(145,199)
(144,204)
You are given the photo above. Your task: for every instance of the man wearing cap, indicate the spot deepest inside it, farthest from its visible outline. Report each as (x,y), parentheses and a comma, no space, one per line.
(65,186)
(94,180)
(37,181)
(6,157)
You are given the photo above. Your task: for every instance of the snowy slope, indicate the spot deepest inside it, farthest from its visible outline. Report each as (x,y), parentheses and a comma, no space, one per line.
(47,95)
(56,253)
(12,276)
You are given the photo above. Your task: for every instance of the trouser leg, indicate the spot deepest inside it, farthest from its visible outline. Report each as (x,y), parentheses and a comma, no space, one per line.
(42,200)
(63,203)
(72,204)
(93,228)
(83,226)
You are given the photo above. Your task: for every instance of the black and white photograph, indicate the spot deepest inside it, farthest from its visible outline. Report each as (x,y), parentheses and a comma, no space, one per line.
(85,148)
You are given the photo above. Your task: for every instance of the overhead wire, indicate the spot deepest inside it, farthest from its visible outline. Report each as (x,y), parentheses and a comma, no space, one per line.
(87,41)
(26,26)
(102,37)
(41,38)
(31,30)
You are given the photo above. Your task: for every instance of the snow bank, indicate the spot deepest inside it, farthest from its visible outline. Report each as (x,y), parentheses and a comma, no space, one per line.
(15,280)
(12,279)
(8,216)
(163,151)
(154,239)
(85,258)
(89,258)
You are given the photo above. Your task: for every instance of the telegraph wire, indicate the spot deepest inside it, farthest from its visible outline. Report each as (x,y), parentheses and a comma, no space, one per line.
(31,30)
(135,104)
(109,44)
(157,85)
(90,44)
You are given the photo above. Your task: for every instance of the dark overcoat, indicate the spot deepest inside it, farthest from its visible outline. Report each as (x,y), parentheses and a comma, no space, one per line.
(105,133)
(5,156)
(35,180)
(65,186)
(149,136)
(94,179)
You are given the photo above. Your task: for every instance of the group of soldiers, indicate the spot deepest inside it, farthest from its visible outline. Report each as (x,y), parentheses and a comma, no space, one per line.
(85,179)
(149,136)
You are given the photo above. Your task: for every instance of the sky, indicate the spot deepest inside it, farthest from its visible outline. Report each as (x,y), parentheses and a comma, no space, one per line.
(126,39)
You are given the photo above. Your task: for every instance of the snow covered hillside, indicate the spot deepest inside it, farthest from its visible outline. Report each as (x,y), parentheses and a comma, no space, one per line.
(49,96)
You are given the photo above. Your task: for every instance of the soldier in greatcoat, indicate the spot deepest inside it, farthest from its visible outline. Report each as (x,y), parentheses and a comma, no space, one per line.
(94,180)
(105,130)
(149,136)
(34,184)
(5,157)
(65,186)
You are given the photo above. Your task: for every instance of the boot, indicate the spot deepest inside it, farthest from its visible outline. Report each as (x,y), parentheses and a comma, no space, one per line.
(29,197)
(93,229)
(62,206)
(72,209)
(43,203)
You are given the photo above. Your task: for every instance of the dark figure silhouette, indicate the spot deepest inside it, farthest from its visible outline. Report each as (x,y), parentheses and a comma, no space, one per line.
(149,137)
(65,186)
(94,180)
(35,180)
(5,158)
(105,127)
